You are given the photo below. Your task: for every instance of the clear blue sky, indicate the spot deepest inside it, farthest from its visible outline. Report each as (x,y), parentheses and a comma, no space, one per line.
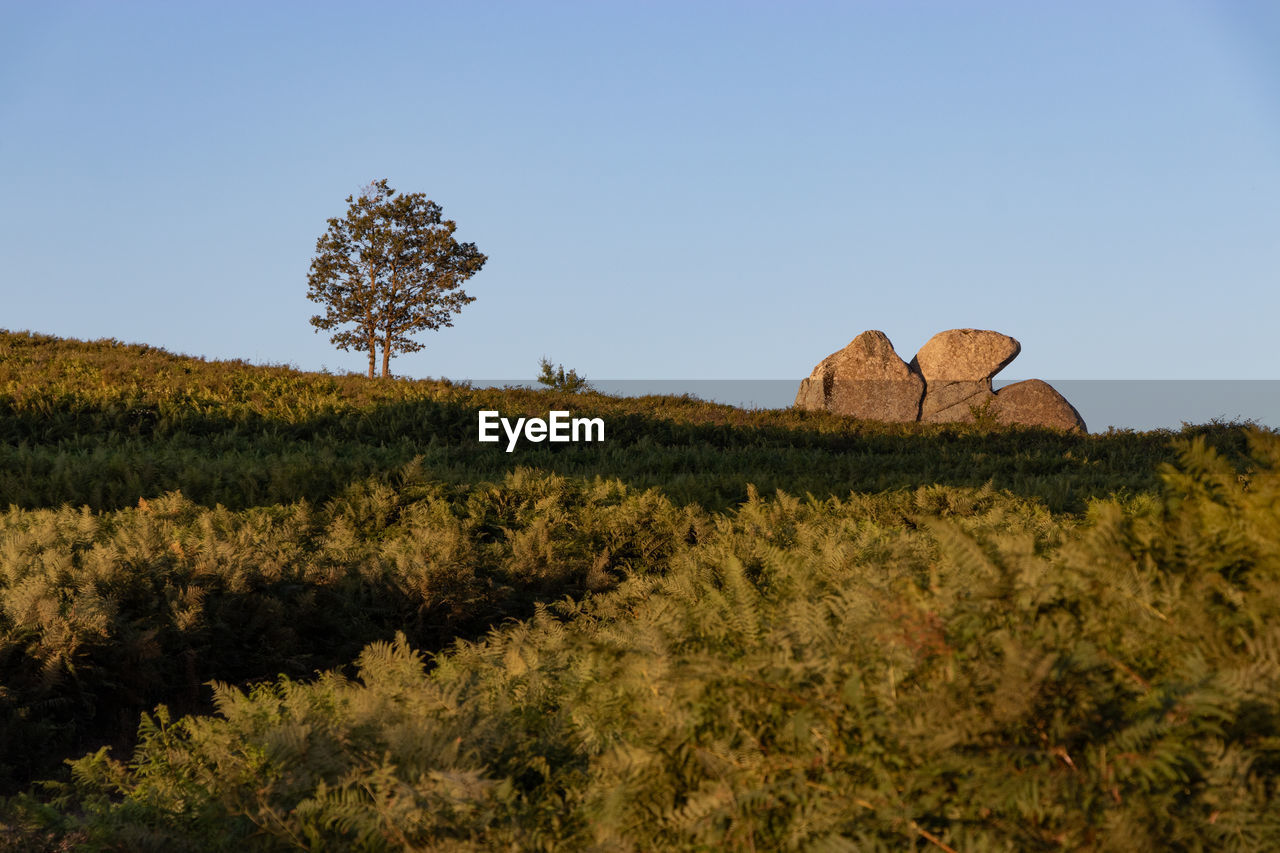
(664,189)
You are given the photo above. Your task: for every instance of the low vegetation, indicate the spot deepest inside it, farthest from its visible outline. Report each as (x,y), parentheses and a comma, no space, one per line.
(246,607)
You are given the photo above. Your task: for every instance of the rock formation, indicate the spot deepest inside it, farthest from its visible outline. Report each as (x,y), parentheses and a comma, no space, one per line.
(957,367)
(1035,403)
(949,378)
(865,380)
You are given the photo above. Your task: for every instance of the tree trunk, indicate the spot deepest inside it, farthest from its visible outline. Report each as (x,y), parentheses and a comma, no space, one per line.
(373,357)
(386,358)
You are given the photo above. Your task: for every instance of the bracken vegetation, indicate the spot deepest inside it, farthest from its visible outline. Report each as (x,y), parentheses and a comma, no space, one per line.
(253,608)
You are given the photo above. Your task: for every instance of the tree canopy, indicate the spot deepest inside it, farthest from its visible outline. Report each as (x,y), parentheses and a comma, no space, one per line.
(389,269)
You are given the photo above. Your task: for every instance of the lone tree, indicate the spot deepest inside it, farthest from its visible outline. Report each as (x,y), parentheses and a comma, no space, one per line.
(390,268)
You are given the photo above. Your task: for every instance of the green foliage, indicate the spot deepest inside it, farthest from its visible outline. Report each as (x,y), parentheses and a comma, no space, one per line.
(937,667)
(126,609)
(555,378)
(984,417)
(104,424)
(966,638)
(388,269)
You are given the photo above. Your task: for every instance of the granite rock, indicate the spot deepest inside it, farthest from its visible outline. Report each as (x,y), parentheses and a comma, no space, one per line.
(867,379)
(957,366)
(1036,403)
(948,381)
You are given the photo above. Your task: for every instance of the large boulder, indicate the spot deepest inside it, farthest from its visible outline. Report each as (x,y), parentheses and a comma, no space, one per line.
(1036,403)
(957,366)
(948,381)
(866,379)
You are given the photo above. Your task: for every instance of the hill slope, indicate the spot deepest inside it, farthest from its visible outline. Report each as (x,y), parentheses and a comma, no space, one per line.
(103,423)
(959,638)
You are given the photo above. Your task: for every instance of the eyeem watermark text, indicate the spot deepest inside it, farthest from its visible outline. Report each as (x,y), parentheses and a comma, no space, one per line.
(557,427)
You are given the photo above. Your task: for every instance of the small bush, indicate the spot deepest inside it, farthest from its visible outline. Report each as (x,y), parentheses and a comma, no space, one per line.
(557,379)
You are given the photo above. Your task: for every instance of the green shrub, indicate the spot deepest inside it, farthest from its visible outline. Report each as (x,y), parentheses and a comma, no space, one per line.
(103,616)
(971,637)
(557,379)
(952,668)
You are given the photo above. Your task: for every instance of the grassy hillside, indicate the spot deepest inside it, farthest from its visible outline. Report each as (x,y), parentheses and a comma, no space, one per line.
(720,629)
(102,424)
